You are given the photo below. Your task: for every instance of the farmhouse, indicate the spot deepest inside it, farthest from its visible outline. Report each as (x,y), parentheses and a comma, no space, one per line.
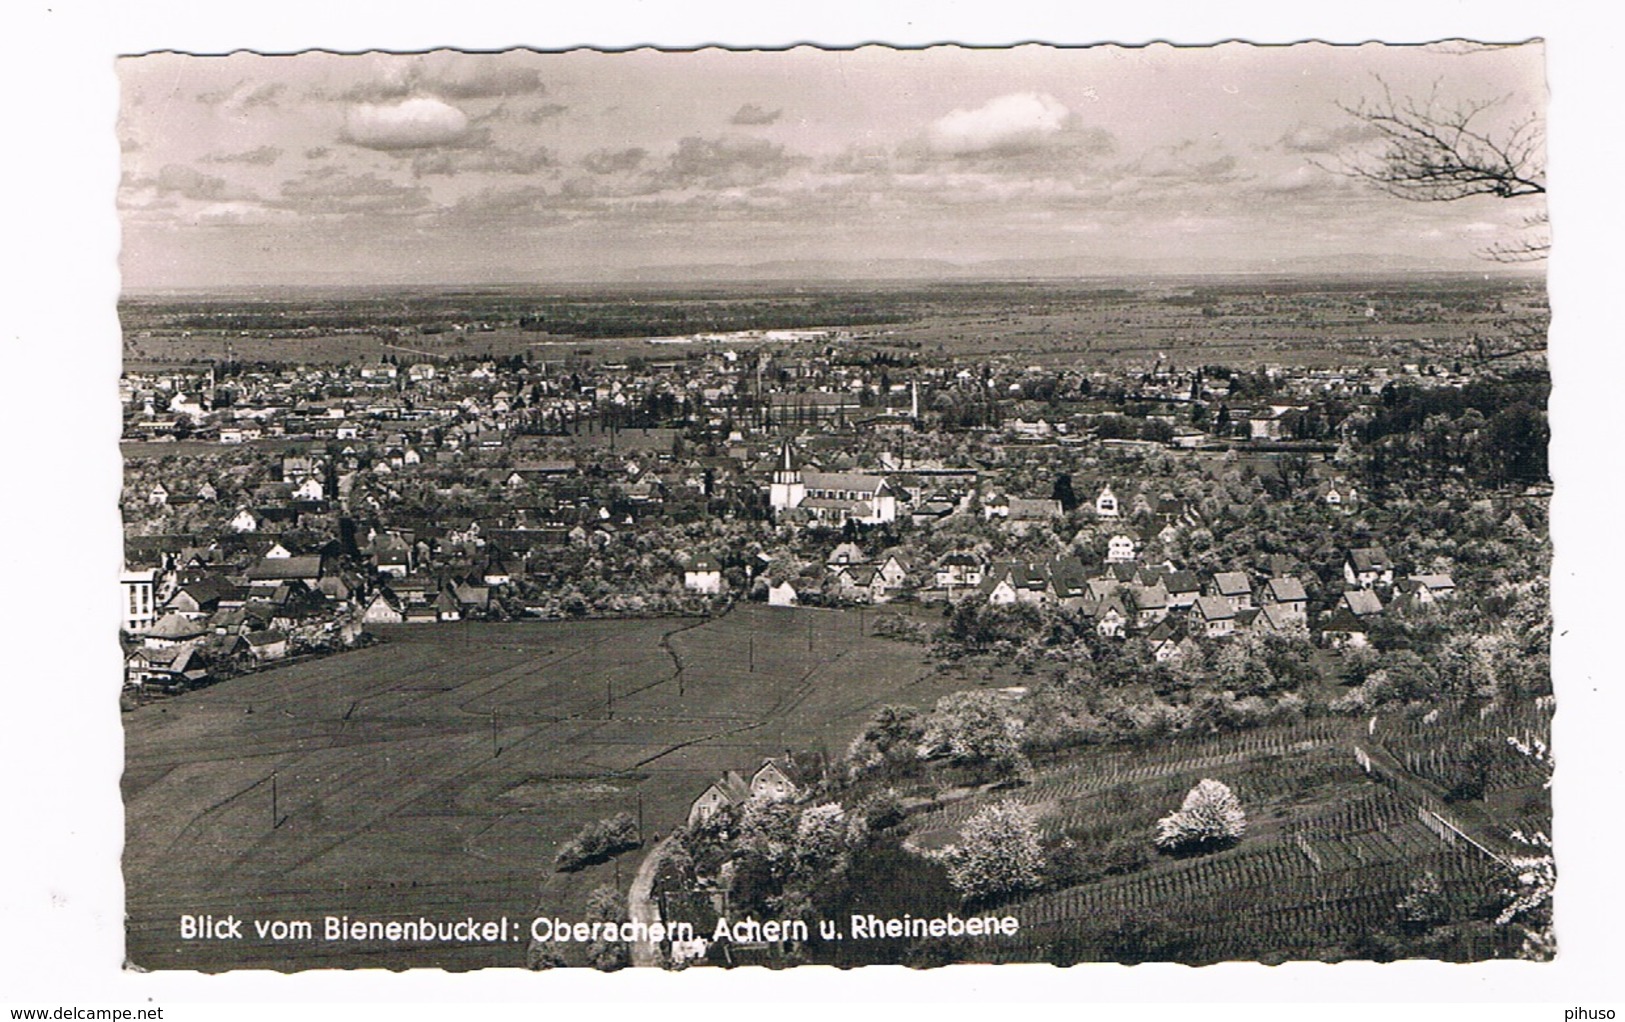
(775,780)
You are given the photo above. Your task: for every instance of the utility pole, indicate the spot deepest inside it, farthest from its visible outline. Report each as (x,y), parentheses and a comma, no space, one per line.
(609,686)
(809,635)
(276,820)
(753,654)
(495,749)
(640,817)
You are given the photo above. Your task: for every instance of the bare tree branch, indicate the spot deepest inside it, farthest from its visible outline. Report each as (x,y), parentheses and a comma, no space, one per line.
(1433,151)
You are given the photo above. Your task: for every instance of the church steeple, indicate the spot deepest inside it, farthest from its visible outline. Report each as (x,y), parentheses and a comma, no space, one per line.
(787,490)
(786,472)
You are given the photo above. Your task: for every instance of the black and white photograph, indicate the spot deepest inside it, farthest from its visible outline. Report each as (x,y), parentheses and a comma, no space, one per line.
(701,505)
(703,508)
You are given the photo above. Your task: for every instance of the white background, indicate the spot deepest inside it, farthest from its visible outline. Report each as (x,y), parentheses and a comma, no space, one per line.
(60,742)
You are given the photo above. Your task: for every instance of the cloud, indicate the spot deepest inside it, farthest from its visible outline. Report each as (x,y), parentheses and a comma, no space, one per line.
(328,190)
(1304,180)
(264,156)
(498,203)
(243,95)
(545,112)
(1200,161)
(724,163)
(613,161)
(1017,120)
(751,113)
(320,152)
(416,123)
(404,81)
(450,162)
(190,183)
(1318,138)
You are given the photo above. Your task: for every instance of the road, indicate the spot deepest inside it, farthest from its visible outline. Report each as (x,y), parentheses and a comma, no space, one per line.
(641,907)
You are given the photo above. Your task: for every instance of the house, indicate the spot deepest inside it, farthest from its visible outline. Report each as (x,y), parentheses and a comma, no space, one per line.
(1106,503)
(163,667)
(1288,596)
(1361,603)
(845,553)
(703,575)
(1343,629)
(1366,566)
(173,630)
(1017,582)
(199,598)
(1274,617)
(271,572)
(728,790)
(773,781)
(1112,617)
(893,573)
(959,570)
(1120,548)
(1149,603)
(1431,588)
(269,644)
(392,555)
(1235,587)
(1213,616)
(1032,509)
(782,595)
(860,582)
(472,597)
(243,521)
(158,496)
(1183,589)
(382,609)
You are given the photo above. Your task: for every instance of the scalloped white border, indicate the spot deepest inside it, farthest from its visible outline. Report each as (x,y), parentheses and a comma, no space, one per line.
(60,747)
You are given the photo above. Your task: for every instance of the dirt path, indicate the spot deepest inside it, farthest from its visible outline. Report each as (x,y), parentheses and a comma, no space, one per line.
(640,906)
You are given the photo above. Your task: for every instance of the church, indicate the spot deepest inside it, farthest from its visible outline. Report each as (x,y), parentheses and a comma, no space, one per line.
(829,498)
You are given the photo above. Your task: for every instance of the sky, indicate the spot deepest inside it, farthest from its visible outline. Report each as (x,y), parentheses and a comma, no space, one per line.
(523,167)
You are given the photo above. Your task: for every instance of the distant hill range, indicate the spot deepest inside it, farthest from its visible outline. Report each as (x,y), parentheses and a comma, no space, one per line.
(832,270)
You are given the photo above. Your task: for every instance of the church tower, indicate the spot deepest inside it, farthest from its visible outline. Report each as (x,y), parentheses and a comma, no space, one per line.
(787,490)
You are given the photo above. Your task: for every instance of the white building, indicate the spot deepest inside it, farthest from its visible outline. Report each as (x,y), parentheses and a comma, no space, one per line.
(139,612)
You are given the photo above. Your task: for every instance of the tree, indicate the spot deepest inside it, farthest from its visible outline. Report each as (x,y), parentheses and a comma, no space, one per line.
(1435,151)
(998,853)
(605,904)
(1210,818)
(974,729)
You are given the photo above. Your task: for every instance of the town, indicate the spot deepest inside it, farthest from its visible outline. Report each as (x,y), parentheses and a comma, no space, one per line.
(1107,552)
(304,504)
